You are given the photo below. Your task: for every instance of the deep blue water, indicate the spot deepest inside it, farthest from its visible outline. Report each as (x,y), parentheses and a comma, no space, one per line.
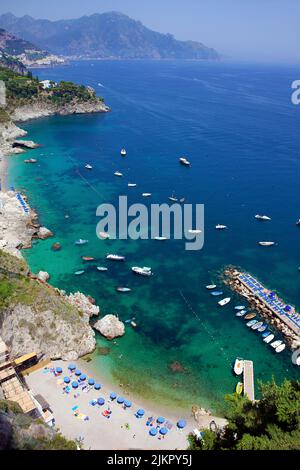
(239,129)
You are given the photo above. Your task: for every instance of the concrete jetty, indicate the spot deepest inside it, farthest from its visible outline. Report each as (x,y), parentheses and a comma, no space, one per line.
(249,380)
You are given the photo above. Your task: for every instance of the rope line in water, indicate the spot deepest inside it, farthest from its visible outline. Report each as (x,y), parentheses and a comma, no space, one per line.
(205,328)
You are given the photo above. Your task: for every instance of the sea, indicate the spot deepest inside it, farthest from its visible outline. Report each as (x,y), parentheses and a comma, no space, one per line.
(236,124)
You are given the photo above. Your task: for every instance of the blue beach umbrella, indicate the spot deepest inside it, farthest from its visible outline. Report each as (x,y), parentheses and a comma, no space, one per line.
(140,412)
(120,400)
(75,384)
(91,382)
(72,367)
(113,396)
(67,380)
(161,420)
(128,404)
(153,432)
(287,308)
(97,386)
(163,431)
(101,401)
(82,378)
(78,372)
(181,424)
(59,370)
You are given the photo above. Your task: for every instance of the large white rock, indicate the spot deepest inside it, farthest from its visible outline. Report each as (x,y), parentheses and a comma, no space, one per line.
(44,233)
(83,303)
(110,327)
(43,276)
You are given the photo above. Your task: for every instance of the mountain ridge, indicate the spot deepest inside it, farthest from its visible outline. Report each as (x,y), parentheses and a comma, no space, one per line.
(104,35)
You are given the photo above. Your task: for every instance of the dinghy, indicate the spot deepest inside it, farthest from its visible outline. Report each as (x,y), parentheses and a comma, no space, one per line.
(238,366)
(257,325)
(241,313)
(250,316)
(216,293)
(266,334)
(240,307)
(87,258)
(262,328)
(280,348)
(211,286)
(224,302)
(276,344)
(239,388)
(102,269)
(251,323)
(79,273)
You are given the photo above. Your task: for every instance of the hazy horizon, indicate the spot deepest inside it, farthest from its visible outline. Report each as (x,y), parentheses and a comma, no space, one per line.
(256,30)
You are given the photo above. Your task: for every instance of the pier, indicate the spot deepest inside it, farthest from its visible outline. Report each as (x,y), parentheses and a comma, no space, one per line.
(282,316)
(249,380)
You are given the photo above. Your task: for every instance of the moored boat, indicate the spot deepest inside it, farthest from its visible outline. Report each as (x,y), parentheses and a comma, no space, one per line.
(266,243)
(241,313)
(115,257)
(224,302)
(79,273)
(216,293)
(173,198)
(211,286)
(257,325)
(262,328)
(250,316)
(251,323)
(142,271)
(269,338)
(240,307)
(239,388)
(266,334)
(275,344)
(238,367)
(280,348)
(87,258)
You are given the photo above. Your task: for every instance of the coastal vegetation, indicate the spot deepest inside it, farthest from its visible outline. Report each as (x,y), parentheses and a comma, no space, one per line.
(20,432)
(272,423)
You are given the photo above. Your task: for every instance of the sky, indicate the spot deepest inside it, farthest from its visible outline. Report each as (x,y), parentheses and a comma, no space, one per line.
(266,30)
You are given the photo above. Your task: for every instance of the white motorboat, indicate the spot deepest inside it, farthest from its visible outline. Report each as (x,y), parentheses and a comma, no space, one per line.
(280,348)
(195,232)
(266,243)
(276,343)
(184,161)
(173,198)
(262,217)
(102,269)
(240,307)
(224,301)
(146,194)
(118,173)
(257,325)
(132,185)
(142,271)
(123,152)
(88,167)
(81,242)
(115,258)
(211,286)
(269,338)
(160,239)
(221,227)
(238,366)
(104,235)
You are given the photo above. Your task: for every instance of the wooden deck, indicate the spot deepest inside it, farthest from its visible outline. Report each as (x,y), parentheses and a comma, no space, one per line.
(249,380)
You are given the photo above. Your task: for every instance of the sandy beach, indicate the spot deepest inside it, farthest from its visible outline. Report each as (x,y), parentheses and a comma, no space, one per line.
(123,430)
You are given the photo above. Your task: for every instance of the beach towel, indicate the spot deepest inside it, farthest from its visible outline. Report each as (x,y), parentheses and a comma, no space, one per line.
(75,408)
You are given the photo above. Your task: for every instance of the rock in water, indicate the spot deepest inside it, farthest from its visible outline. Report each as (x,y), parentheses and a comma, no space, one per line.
(44,233)
(43,276)
(110,327)
(56,246)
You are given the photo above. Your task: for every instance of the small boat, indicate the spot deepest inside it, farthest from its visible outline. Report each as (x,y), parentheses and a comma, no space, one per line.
(241,313)
(123,152)
(266,334)
(87,258)
(88,167)
(238,366)
(132,185)
(221,227)
(216,293)
(262,328)
(250,316)
(102,269)
(173,198)
(257,325)
(298,222)
(115,258)
(266,243)
(142,271)
(182,200)
(211,286)
(251,323)
(277,343)
(81,242)
(262,217)
(31,160)
(104,235)
(280,348)
(224,301)
(133,324)
(239,388)
(240,307)
(184,161)
(161,239)
(79,273)
(268,339)
(146,194)
(123,289)
(195,232)
(118,173)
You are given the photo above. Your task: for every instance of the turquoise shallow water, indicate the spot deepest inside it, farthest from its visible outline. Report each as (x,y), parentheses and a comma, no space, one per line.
(239,129)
